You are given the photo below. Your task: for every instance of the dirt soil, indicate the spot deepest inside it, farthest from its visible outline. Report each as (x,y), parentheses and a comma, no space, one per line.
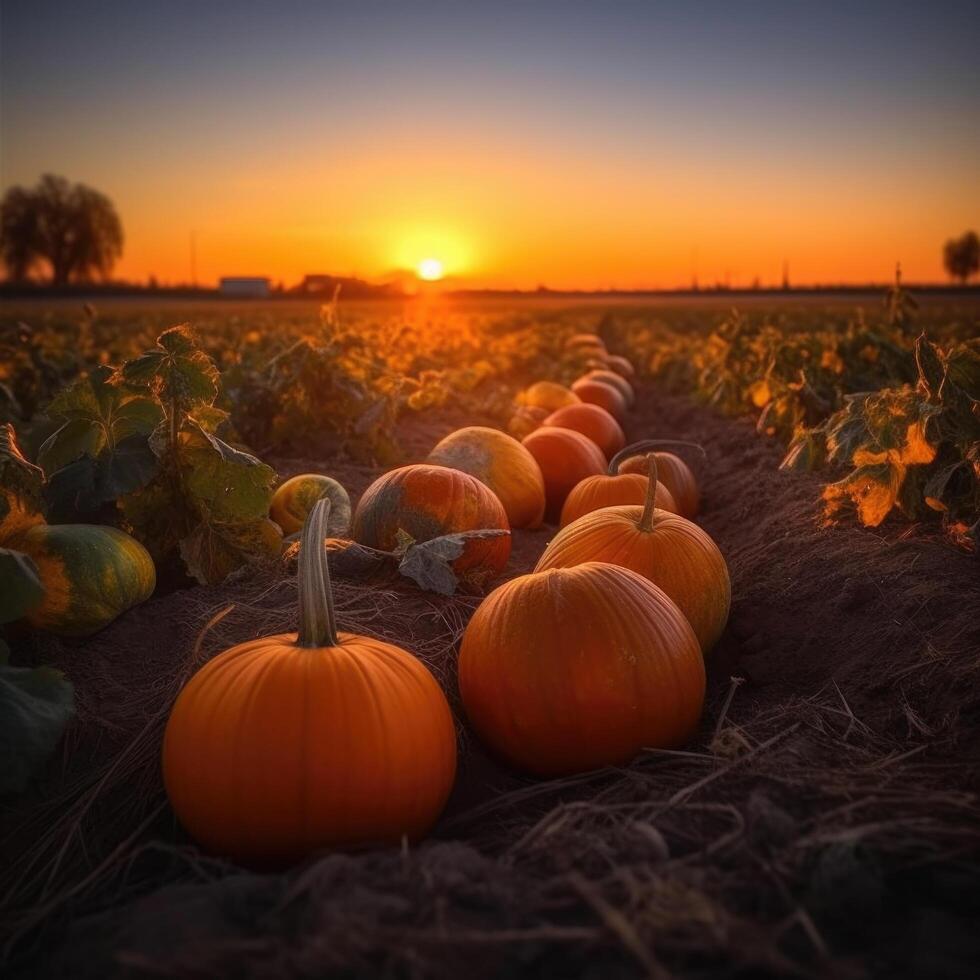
(825,822)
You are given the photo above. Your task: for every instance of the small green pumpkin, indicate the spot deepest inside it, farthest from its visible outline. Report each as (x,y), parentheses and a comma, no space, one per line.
(91,575)
(293,501)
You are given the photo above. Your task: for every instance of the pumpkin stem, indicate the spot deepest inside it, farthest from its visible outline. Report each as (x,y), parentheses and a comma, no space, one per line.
(650,504)
(645,444)
(317,620)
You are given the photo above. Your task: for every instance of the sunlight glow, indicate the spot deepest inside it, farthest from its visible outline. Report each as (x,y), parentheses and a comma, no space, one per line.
(430,270)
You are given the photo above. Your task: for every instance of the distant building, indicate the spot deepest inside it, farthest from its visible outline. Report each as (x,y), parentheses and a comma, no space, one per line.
(350,288)
(251,287)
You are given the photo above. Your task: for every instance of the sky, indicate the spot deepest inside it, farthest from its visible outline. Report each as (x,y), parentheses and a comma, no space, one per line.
(589,145)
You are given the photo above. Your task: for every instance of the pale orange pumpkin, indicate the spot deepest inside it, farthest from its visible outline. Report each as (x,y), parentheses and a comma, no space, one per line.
(601,394)
(503,464)
(592,421)
(526,419)
(566,458)
(547,394)
(578,668)
(666,548)
(287,744)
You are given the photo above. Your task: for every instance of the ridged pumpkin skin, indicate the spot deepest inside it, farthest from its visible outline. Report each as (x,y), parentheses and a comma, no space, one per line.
(503,464)
(547,394)
(566,458)
(675,475)
(274,750)
(427,501)
(290,743)
(91,575)
(602,394)
(593,422)
(675,554)
(525,420)
(579,668)
(616,381)
(294,499)
(612,491)
(622,366)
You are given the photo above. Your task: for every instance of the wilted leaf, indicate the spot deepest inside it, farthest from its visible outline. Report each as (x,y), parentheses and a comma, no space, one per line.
(931,370)
(35,705)
(20,487)
(872,489)
(177,370)
(807,451)
(429,563)
(214,550)
(22,589)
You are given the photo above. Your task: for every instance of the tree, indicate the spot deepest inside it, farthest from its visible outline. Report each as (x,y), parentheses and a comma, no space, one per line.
(961,256)
(71,228)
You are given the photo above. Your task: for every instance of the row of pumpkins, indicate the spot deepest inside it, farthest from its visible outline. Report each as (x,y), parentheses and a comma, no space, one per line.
(290,743)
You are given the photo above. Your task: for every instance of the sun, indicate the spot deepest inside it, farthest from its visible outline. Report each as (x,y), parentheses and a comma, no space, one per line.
(430,270)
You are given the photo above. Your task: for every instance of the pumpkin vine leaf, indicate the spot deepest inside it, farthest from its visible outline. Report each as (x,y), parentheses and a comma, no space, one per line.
(21,486)
(22,588)
(176,370)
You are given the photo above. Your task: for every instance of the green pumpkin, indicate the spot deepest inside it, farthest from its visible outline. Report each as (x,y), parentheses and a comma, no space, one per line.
(90,575)
(294,500)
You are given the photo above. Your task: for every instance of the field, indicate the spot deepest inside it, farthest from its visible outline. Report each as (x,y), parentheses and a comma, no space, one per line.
(824,820)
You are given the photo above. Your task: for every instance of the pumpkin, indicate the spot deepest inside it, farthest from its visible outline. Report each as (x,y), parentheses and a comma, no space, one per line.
(425,502)
(585,341)
(286,744)
(616,381)
(622,366)
(91,575)
(547,394)
(591,421)
(566,458)
(601,394)
(577,668)
(669,550)
(673,472)
(503,464)
(294,499)
(526,419)
(597,492)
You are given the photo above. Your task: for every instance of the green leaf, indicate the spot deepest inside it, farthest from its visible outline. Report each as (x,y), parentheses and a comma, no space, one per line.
(35,705)
(930,365)
(22,589)
(177,370)
(213,550)
(21,485)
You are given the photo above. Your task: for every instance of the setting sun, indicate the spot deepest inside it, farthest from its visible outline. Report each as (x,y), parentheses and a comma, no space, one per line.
(430,270)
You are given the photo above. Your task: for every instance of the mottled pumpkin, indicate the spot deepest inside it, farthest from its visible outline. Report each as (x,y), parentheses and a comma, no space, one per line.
(91,575)
(593,422)
(566,458)
(287,744)
(668,549)
(426,502)
(602,394)
(548,395)
(577,668)
(503,464)
(526,419)
(294,499)
(616,381)
(622,366)
(674,474)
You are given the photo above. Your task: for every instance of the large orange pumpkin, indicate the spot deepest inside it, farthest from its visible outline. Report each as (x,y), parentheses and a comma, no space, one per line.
(503,464)
(673,472)
(616,381)
(526,419)
(425,502)
(578,668)
(668,549)
(621,366)
(547,394)
(592,421)
(566,458)
(287,744)
(601,394)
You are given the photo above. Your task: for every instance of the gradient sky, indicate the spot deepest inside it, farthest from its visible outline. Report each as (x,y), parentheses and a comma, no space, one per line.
(578,144)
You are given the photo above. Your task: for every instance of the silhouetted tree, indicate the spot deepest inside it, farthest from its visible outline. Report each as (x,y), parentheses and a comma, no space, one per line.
(961,256)
(72,228)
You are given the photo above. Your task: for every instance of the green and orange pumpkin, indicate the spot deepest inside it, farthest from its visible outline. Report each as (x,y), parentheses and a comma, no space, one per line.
(294,499)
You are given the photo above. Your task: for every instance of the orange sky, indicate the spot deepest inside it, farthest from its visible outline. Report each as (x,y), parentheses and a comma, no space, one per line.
(621,150)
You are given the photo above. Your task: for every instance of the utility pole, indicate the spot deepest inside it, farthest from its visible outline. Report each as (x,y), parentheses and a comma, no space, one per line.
(193,258)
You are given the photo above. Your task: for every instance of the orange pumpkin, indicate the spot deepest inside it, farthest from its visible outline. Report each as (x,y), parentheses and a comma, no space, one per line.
(526,419)
(591,421)
(622,366)
(503,464)
(287,744)
(425,502)
(597,492)
(547,394)
(566,458)
(578,668)
(585,341)
(673,472)
(601,394)
(616,381)
(668,549)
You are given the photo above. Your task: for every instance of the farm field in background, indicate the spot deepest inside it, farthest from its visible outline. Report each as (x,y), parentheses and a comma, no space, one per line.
(835,443)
